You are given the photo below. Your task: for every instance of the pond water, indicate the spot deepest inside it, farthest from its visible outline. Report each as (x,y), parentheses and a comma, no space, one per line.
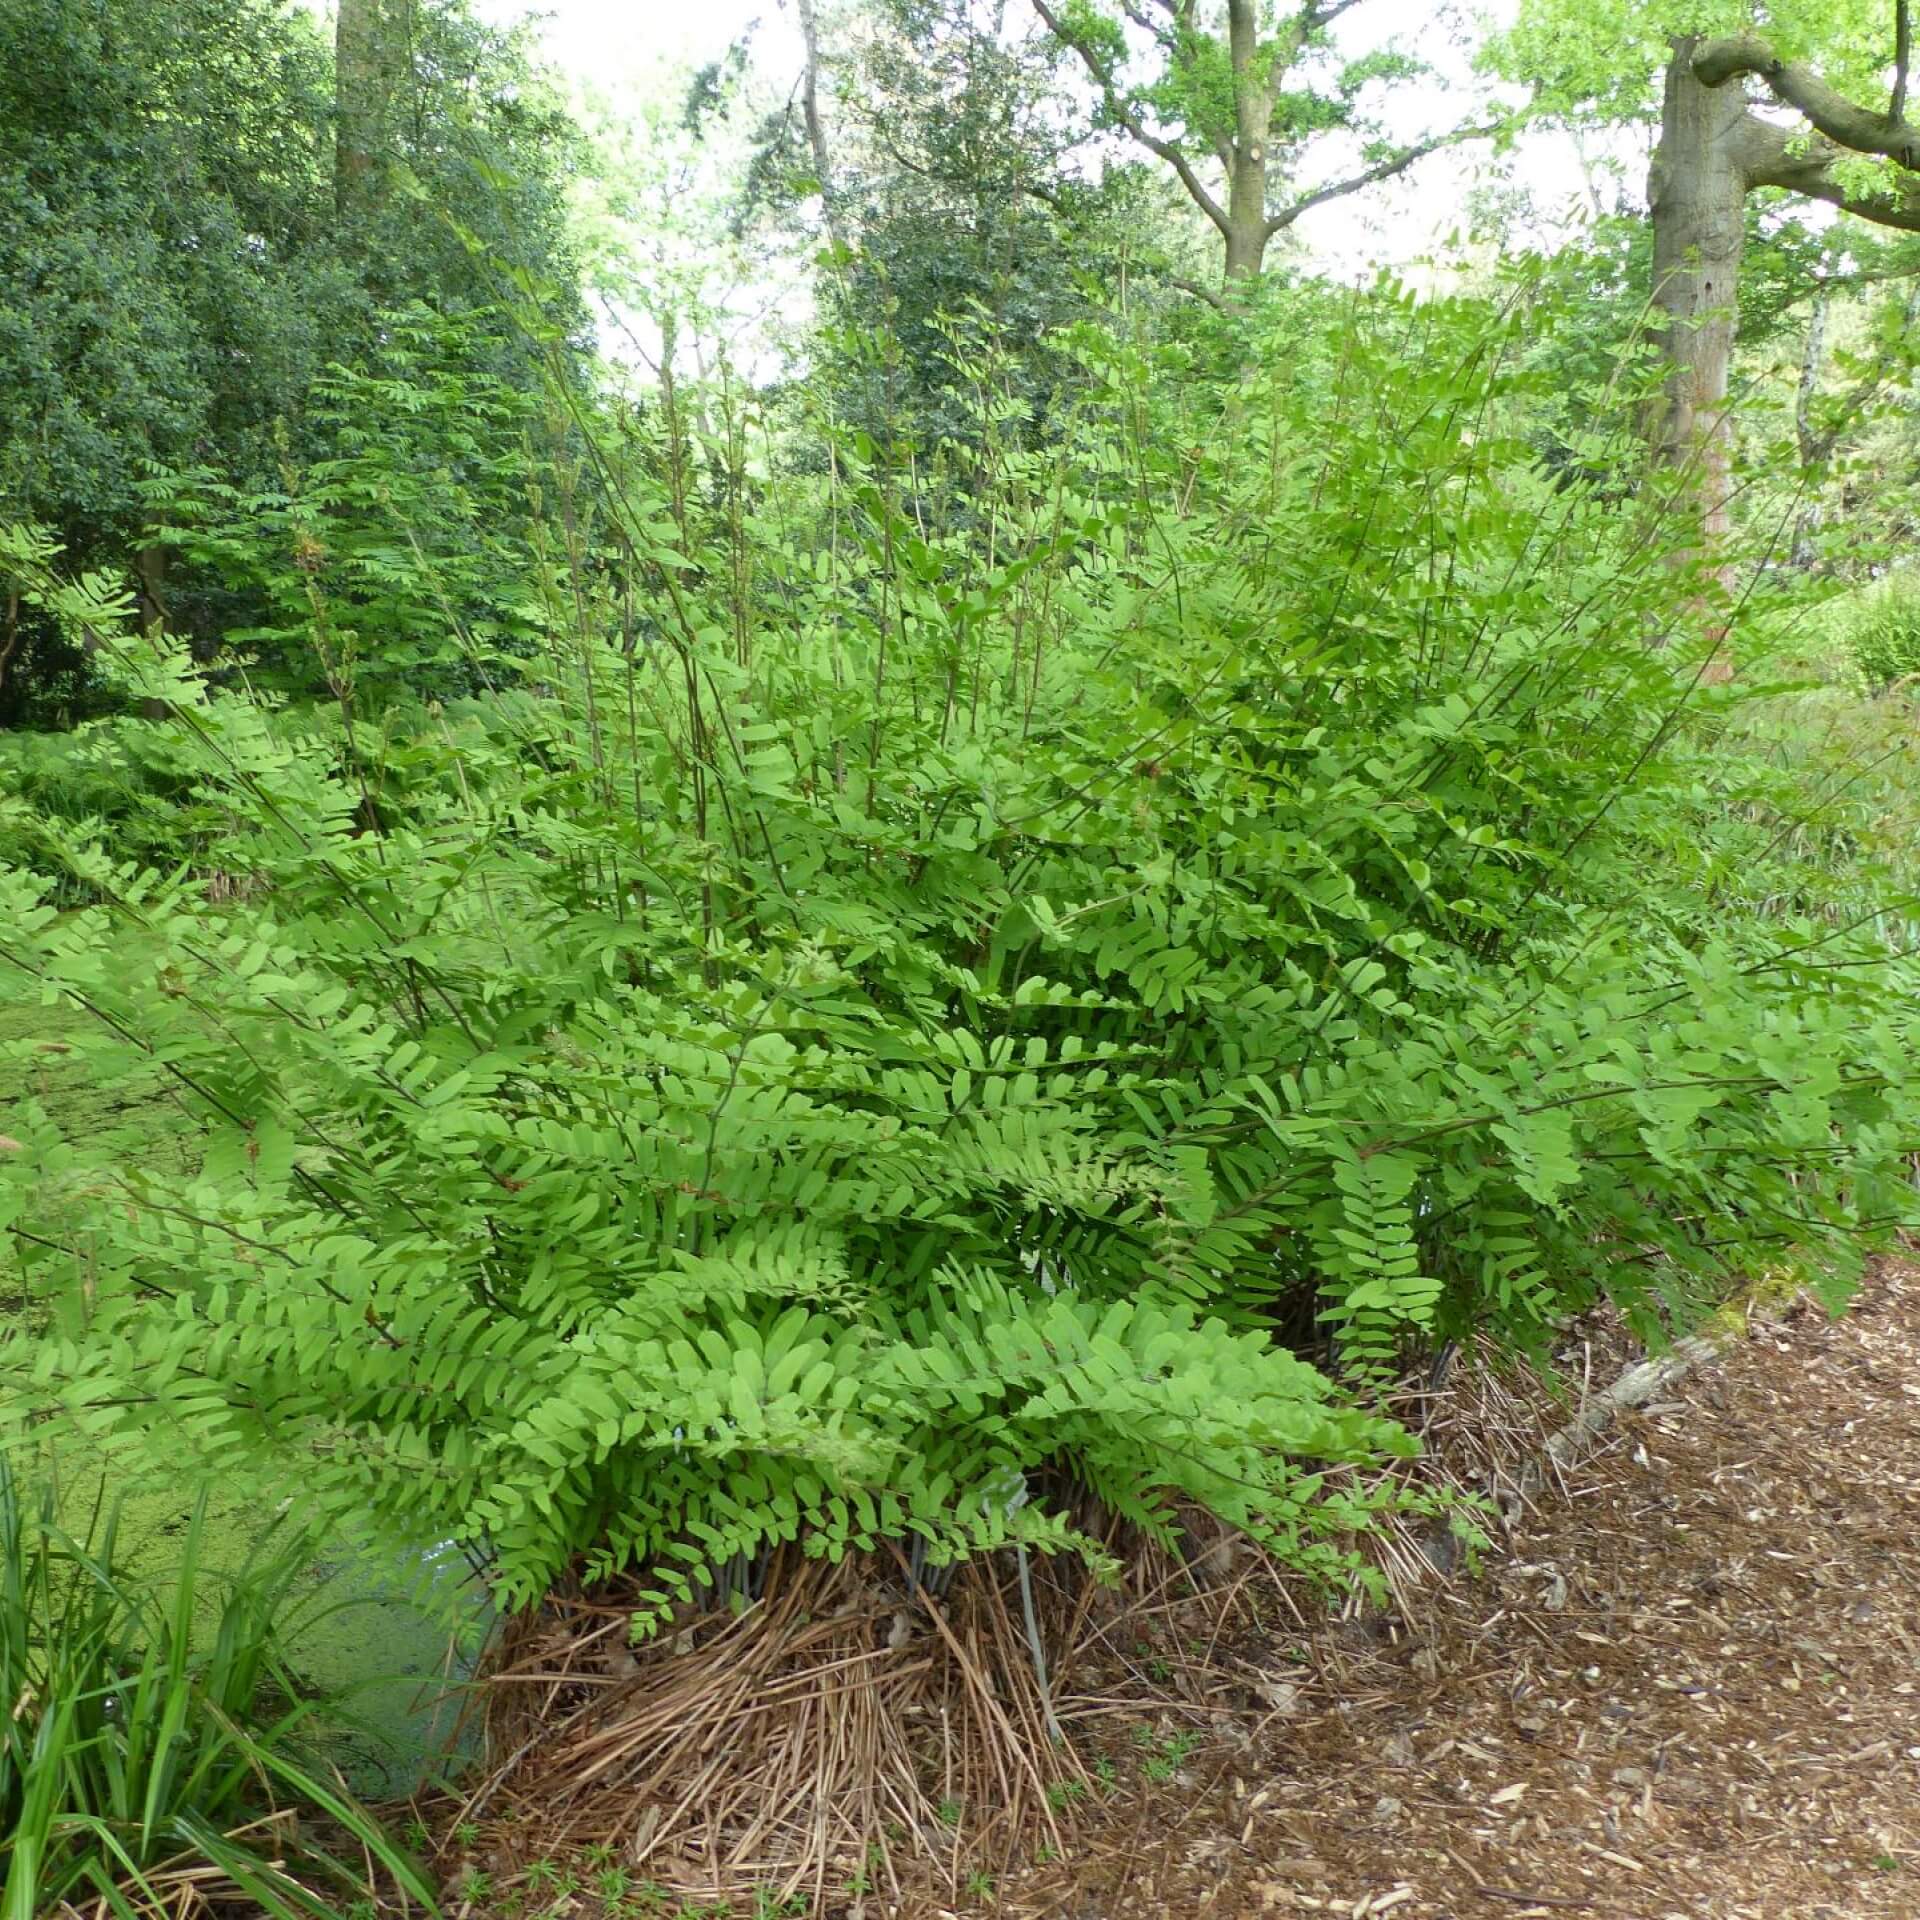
(392,1632)
(388,1627)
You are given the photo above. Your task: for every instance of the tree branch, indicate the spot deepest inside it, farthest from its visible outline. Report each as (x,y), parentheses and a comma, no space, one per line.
(1146,26)
(1288,45)
(1771,157)
(1215,300)
(1177,40)
(1045,196)
(1845,122)
(1865,277)
(1382,170)
(1324,14)
(1131,121)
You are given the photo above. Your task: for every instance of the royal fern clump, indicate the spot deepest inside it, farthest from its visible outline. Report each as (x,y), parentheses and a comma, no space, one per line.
(900,1010)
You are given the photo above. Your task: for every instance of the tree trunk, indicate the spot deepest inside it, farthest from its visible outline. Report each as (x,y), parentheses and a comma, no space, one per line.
(150,581)
(1697,195)
(1713,151)
(362,103)
(1246,232)
(1806,526)
(150,586)
(816,128)
(1246,245)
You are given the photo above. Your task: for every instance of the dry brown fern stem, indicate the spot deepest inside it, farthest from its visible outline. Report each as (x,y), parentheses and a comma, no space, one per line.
(846,1725)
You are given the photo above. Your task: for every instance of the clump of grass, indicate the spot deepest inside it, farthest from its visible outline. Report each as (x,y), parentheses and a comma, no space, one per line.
(143,1762)
(1879,626)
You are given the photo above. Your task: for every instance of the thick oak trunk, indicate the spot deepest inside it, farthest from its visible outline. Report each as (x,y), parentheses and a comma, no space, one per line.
(1713,151)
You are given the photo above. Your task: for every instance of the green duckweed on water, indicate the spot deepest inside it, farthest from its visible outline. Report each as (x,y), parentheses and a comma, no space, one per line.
(380,1627)
(379,1631)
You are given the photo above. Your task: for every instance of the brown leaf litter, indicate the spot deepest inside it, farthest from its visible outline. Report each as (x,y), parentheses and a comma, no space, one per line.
(1686,1687)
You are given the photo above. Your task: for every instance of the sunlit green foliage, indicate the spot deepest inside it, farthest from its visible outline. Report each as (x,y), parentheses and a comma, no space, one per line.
(1608,54)
(885,1023)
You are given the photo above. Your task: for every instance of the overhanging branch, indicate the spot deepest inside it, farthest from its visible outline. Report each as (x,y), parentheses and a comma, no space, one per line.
(1324,13)
(1770,157)
(1845,122)
(1131,121)
(1381,170)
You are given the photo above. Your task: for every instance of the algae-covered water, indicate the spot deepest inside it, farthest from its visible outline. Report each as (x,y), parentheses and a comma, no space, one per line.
(383,1628)
(385,1634)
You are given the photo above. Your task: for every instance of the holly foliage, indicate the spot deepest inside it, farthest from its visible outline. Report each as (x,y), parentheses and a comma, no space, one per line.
(178,285)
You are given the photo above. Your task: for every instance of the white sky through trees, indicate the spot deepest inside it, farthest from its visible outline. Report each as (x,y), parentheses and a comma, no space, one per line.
(606,40)
(629,55)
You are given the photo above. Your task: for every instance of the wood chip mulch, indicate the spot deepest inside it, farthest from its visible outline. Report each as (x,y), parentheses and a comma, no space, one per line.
(1686,1687)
